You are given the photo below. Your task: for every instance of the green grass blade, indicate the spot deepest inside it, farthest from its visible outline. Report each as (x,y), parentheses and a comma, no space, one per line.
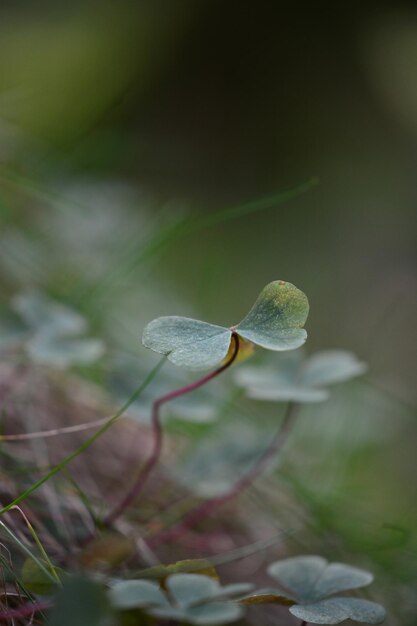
(28,552)
(89,441)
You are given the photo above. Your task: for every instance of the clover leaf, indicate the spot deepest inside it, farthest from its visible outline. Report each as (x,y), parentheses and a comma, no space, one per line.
(309,580)
(336,610)
(190,598)
(275,322)
(300,380)
(44,315)
(55,332)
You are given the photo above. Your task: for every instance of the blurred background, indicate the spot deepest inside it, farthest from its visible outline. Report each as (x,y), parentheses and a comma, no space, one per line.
(126,128)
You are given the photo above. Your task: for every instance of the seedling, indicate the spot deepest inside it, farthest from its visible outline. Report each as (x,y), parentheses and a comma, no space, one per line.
(306,584)
(275,322)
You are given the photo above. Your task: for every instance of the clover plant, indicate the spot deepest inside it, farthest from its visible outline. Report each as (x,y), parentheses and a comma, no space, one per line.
(312,582)
(53,334)
(300,380)
(274,322)
(307,585)
(187,598)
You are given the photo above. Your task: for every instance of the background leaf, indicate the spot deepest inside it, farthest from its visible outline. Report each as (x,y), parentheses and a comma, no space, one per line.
(331,366)
(337,577)
(298,575)
(336,610)
(214,613)
(299,380)
(131,594)
(311,578)
(62,352)
(43,314)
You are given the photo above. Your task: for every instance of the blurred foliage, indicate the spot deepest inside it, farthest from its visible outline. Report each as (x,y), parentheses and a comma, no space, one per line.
(123,126)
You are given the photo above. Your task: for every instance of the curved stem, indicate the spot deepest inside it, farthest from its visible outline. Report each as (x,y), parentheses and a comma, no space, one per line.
(44,434)
(157,435)
(208,506)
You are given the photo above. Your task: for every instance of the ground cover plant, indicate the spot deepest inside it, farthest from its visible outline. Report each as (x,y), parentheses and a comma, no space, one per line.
(181,183)
(152,493)
(50,334)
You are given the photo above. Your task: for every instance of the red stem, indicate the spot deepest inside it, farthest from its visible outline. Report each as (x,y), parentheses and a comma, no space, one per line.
(157,432)
(23,611)
(208,506)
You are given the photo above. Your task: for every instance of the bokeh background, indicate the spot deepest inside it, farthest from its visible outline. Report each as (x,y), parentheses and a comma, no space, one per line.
(120,121)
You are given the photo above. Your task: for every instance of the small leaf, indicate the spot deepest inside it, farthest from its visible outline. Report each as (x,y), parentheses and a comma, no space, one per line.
(329,367)
(276,319)
(311,578)
(191,410)
(213,613)
(293,380)
(234,590)
(43,314)
(188,342)
(213,464)
(189,589)
(337,610)
(131,594)
(298,575)
(168,612)
(338,577)
(280,391)
(62,352)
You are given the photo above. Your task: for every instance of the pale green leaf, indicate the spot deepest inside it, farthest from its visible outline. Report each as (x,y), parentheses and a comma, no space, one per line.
(337,610)
(337,577)
(187,342)
(43,314)
(130,594)
(62,352)
(234,590)
(277,317)
(329,367)
(298,575)
(212,466)
(189,589)
(169,612)
(311,578)
(213,613)
(299,381)
(195,600)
